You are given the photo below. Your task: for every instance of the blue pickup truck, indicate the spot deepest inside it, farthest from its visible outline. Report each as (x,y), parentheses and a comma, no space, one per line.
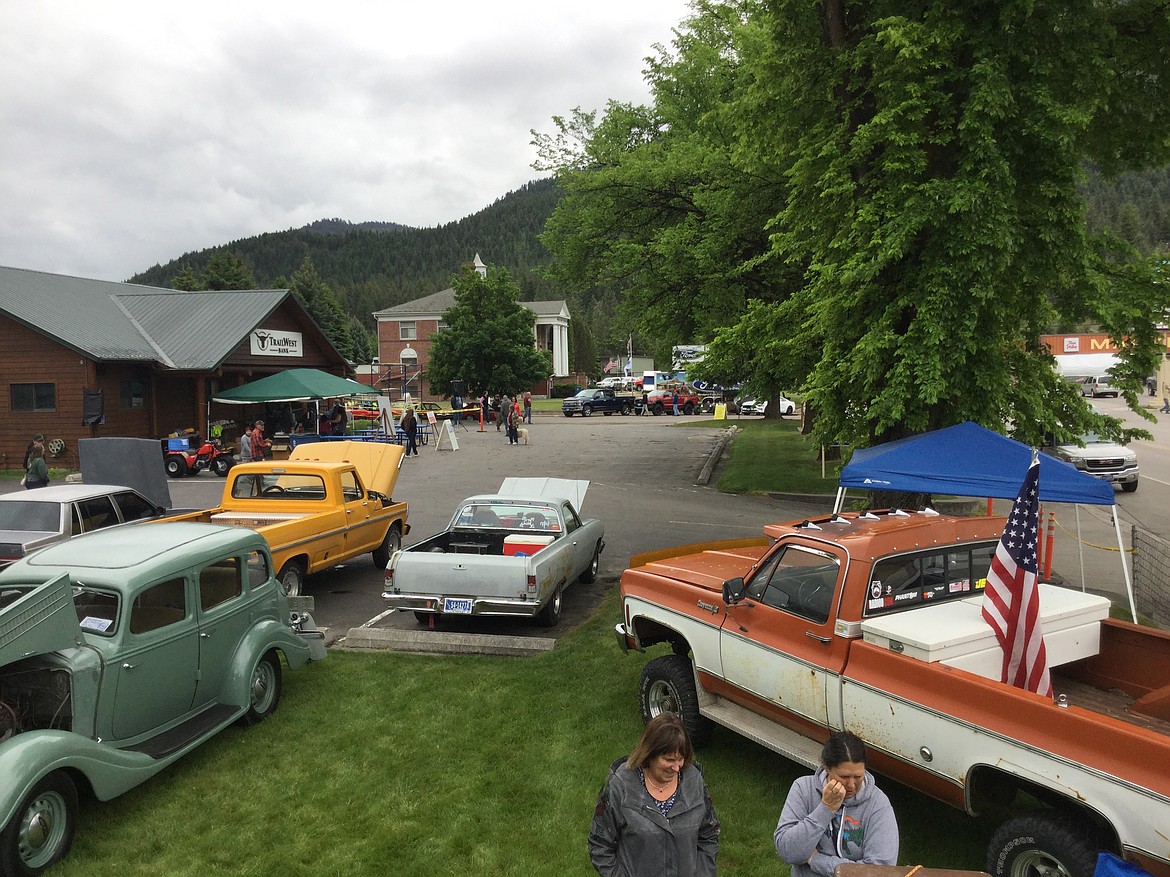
(601,399)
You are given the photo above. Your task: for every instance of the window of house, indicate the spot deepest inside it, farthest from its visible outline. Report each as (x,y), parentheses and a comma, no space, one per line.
(406,330)
(132,394)
(441,326)
(34,397)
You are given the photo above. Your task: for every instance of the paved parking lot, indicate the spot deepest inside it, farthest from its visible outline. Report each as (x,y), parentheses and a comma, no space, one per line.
(642,473)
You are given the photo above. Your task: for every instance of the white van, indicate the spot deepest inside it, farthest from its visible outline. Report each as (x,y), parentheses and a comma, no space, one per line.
(1098,385)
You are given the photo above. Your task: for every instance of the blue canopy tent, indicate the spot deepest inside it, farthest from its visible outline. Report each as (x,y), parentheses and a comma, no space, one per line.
(969,460)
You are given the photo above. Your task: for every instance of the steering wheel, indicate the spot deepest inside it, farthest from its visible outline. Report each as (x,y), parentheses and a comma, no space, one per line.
(807,591)
(272,488)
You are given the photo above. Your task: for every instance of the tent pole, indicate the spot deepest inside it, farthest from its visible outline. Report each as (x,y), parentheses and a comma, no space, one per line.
(840,500)
(1124,565)
(1080,546)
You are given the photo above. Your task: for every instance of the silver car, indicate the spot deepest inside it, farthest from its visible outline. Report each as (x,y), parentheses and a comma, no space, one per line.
(32,519)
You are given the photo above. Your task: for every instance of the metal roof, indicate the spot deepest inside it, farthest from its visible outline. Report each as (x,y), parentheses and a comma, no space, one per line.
(120,321)
(433,306)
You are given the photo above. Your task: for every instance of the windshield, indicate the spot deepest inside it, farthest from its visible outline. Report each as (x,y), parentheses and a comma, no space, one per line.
(278,485)
(30,516)
(509,516)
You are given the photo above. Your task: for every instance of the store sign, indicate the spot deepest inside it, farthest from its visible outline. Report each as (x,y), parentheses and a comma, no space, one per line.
(273,342)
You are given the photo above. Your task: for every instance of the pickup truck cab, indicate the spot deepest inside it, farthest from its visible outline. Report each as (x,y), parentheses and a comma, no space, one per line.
(327,504)
(871,622)
(602,399)
(121,651)
(510,553)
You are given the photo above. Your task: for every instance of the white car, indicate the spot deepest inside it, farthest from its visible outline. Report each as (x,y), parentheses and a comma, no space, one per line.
(32,519)
(752,406)
(615,383)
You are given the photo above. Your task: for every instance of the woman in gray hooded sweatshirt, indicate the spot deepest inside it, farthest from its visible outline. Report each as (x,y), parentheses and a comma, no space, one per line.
(837,815)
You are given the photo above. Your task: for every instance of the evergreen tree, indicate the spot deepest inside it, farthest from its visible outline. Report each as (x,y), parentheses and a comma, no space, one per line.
(489,339)
(227,271)
(186,279)
(321,304)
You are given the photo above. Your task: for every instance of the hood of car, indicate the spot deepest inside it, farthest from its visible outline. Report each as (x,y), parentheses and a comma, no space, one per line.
(42,621)
(1096,449)
(377,463)
(546,488)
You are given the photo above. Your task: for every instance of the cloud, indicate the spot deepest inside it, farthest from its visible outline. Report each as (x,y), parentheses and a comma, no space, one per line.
(138,131)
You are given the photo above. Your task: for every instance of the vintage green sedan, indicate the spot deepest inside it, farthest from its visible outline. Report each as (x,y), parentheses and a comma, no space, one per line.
(122,650)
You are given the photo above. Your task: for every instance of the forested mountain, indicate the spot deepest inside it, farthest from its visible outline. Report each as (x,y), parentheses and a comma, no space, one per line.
(1136,207)
(374,265)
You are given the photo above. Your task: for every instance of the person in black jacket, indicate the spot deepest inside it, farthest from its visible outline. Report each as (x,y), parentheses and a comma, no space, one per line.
(654,816)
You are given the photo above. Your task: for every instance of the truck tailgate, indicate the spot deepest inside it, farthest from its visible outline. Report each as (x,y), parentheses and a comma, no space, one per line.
(461,575)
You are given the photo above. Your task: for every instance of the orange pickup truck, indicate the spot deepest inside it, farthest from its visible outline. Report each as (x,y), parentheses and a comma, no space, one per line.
(871,622)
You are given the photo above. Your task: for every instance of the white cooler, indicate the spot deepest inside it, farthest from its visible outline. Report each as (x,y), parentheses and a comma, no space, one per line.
(955,633)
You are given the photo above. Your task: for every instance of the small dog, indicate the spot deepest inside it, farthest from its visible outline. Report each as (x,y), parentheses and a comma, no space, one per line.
(523,433)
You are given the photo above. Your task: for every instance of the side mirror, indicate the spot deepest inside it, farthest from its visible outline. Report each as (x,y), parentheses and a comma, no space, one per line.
(733,590)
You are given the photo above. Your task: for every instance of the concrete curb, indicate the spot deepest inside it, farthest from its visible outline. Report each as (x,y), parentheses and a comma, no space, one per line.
(716,455)
(442,642)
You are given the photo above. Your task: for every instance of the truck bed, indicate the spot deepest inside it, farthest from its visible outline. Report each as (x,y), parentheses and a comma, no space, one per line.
(1112,702)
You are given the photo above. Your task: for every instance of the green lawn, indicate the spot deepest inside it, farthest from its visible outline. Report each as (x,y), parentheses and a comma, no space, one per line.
(388,764)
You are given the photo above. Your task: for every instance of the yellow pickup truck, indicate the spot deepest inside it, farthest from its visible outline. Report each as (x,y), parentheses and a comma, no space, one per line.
(328,503)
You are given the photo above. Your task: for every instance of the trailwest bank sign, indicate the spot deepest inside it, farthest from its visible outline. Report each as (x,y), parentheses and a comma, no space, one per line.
(273,342)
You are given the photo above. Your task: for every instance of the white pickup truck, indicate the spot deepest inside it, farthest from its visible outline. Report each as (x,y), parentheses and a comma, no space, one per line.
(510,553)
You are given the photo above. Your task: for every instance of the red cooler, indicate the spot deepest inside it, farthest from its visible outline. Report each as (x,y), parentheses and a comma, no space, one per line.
(517,545)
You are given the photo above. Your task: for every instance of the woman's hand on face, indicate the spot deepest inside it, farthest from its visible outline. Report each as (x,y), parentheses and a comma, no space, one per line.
(833,795)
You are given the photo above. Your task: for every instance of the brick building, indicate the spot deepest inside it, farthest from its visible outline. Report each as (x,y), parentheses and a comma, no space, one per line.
(86,358)
(405,331)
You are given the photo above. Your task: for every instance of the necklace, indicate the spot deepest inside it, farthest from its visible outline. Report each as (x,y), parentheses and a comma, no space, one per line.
(660,786)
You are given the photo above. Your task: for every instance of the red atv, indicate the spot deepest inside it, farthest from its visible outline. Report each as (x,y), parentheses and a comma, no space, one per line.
(191,455)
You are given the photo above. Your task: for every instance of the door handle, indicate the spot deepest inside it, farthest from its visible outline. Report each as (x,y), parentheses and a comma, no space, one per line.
(128,666)
(818,637)
(205,636)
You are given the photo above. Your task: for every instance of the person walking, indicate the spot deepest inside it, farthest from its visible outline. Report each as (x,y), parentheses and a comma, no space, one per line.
(498,410)
(410,428)
(674,404)
(37,471)
(654,815)
(838,815)
(246,444)
(39,438)
(528,408)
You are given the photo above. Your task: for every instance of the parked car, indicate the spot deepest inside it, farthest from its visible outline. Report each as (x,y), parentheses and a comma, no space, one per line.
(120,652)
(754,406)
(509,553)
(32,519)
(1098,385)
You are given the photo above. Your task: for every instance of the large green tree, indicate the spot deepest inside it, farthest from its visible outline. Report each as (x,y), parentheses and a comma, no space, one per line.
(488,342)
(879,201)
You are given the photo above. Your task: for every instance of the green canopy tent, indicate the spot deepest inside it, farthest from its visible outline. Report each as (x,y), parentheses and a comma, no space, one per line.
(293,385)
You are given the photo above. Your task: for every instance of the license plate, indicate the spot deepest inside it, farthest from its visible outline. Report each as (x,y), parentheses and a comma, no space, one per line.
(457,605)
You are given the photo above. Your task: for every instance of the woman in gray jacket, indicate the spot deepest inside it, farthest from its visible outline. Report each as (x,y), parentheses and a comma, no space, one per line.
(837,815)
(654,816)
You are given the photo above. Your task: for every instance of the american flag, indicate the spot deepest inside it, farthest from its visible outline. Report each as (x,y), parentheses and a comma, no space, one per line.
(1011,599)
(611,365)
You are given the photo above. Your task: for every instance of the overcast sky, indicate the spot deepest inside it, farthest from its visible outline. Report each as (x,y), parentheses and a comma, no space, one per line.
(134,132)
